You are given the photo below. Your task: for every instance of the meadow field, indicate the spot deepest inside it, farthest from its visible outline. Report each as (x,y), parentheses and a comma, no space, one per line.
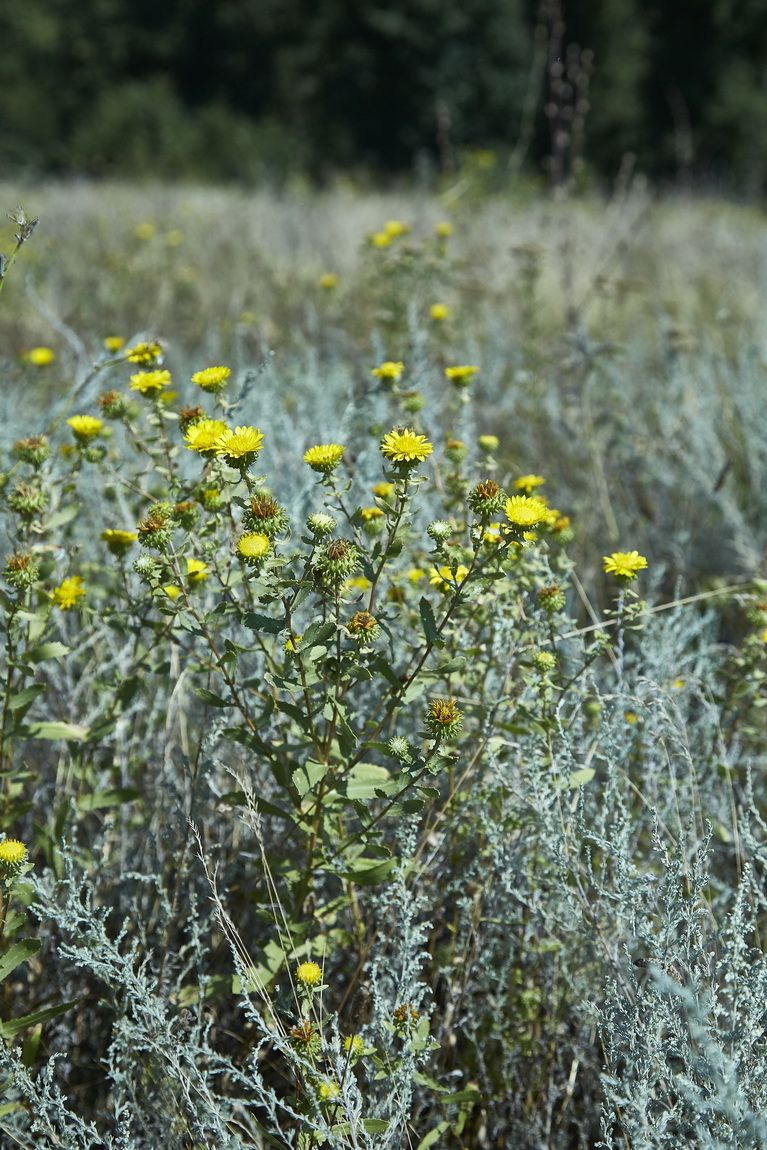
(384,660)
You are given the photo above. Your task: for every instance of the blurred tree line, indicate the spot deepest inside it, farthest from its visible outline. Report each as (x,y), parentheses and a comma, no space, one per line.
(248,89)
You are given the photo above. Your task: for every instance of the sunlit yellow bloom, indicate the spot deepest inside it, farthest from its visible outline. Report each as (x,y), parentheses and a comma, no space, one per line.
(254,546)
(488,443)
(443,229)
(389,371)
(148,381)
(241,446)
(12,852)
(370,513)
(114,343)
(631,717)
(624,565)
(380,239)
(445,578)
(461,376)
(119,542)
(358,583)
(416,574)
(212,379)
(325,457)
(528,483)
(439,311)
(85,427)
(204,435)
(292,643)
(197,571)
(174,237)
(384,490)
(525,511)
(309,973)
(145,231)
(172,591)
(41,356)
(404,446)
(492,533)
(67,595)
(143,353)
(327,1091)
(328,281)
(395,228)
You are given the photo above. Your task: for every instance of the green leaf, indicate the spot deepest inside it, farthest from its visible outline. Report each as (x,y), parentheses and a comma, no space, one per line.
(581,777)
(365,780)
(369,1125)
(63,516)
(367,871)
(210,699)
(70,732)
(113,798)
(433,1136)
(263,624)
(308,775)
(19,952)
(451,665)
(47,651)
(429,623)
(469,1095)
(317,633)
(23,700)
(14,1025)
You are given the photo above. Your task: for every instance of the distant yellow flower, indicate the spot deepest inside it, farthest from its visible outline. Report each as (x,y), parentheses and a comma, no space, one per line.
(174,237)
(443,229)
(67,595)
(445,578)
(389,371)
(525,511)
(309,973)
(85,427)
(197,571)
(328,281)
(384,490)
(528,483)
(405,447)
(325,457)
(415,574)
(172,591)
(143,353)
(212,379)
(204,435)
(439,311)
(327,1091)
(12,852)
(492,533)
(461,376)
(292,643)
(114,343)
(145,231)
(149,381)
(396,228)
(380,239)
(624,565)
(367,514)
(358,583)
(631,717)
(240,447)
(117,541)
(41,356)
(254,546)
(488,443)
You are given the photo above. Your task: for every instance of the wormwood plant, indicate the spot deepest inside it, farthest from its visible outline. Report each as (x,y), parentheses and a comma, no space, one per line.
(341,832)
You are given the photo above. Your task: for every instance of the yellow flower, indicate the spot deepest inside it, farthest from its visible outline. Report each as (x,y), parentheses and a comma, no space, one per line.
(143,353)
(12,852)
(404,446)
(328,281)
(358,583)
(309,973)
(445,578)
(396,228)
(292,642)
(41,356)
(147,381)
(114,343)
(389,371)
(172,591)
(117,541)
(240,447)
(197,571)
(525,511)
(67,595)
(461,376)
(492,534)
(528,483)
(204,435)
(85,427)
(212,379)
(380,239)
(384,490)
(325,457)
(415,574)
(254,546)
(367,514)
(327,1091)
(144,231)
(354,1044)
(443,229)
(624,565)
(174,237)
(439,311)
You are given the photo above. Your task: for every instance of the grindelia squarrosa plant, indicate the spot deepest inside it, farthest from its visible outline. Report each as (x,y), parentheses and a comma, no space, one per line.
(327,821)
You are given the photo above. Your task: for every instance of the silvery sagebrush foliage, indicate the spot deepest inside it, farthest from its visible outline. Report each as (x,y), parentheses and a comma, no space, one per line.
(344,829)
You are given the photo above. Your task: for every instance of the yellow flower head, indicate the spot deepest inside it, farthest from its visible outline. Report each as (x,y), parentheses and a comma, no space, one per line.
(525,511)
(149,381)
(395,228)
(389,372)
(143,353)
(240,447)
(368,514)
(172,591)
(41,356)
(380,239)
(528,483)
(67,595)
(114,343)
(85,427)
(415,574)
(197,571)
(212,379)
(117,541)
(384,491)
(308,973)
(358,583)
(403,446)
(12,853)
(205,434)
(443,229)
(254,546)
(174,237)
(461,376)
(439,311)
(325,457)
(445,578)
(624,565)
(328,281)
(145,231)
